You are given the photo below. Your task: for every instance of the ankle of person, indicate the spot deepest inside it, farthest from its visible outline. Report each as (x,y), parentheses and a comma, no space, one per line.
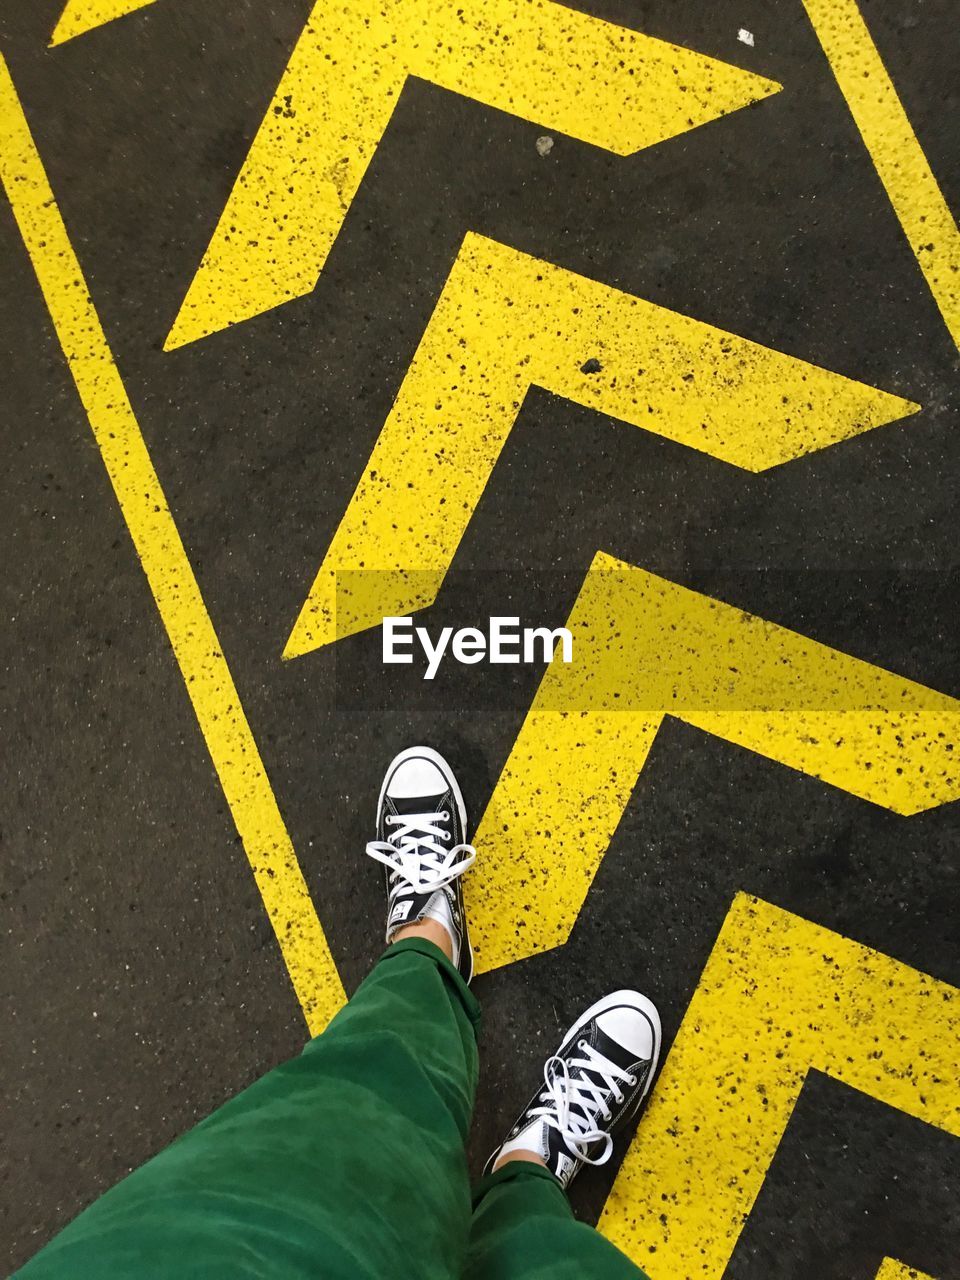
(521,1157)
(431,931)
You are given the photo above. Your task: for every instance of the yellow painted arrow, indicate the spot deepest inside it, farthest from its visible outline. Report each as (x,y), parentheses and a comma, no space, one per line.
(891,1269)
(536,59)
(505,322)
(84,15)
(644,649)
(779,997)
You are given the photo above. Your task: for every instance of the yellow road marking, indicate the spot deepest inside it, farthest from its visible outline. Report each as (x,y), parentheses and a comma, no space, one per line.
(645,648)
(909,181)
(504,322)
(175,589)
(890,1269)
(779,997)
(83,15)
(798,994)
(536,59)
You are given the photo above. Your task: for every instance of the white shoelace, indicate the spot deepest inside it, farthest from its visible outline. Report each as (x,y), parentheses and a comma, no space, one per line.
(563,1093)
(418,852)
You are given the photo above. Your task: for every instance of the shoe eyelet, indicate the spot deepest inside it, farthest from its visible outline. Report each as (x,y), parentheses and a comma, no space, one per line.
(631,1080)
(581,1044)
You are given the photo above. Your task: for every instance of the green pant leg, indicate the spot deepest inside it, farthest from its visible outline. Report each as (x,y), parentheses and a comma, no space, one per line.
(347,1163)
(524,1229)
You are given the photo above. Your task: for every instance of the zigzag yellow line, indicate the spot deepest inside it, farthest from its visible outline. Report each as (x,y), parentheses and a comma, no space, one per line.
(505,322)
(891,1269)
(644,649)
(80,16)
(779,997)
(542,61)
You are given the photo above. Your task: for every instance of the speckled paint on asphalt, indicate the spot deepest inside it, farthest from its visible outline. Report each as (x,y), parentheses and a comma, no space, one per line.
(142,979)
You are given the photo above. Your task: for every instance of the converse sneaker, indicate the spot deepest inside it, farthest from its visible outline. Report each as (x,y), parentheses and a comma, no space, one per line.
(421,829)
(594,1085)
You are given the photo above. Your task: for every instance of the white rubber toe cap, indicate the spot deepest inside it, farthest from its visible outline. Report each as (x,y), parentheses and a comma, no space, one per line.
(632,1022)
(417,776)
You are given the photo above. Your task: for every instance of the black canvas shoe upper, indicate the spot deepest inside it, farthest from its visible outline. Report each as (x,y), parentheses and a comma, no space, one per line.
(421,841)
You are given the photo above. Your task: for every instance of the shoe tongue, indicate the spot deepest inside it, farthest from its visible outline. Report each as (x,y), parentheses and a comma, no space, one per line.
(586,1108)
(613,1051)
(417,804)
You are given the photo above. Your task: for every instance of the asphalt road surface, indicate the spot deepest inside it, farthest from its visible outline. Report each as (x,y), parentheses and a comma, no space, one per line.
(142,982)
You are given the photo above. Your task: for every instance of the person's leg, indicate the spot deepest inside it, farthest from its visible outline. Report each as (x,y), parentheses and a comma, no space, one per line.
(593,1086)
(347,1162)
(524,1229)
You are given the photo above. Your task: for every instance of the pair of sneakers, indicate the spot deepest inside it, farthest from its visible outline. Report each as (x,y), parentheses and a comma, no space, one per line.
(598,1079)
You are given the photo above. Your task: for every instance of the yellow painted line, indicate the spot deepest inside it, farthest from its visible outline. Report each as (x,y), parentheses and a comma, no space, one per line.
(890,1269)
(779,997)
(563,69)
(644,649)
(80,16)
(175,589)
(504,322)
(903,169)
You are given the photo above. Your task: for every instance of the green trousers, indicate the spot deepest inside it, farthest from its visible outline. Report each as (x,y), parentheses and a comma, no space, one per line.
(347,1163)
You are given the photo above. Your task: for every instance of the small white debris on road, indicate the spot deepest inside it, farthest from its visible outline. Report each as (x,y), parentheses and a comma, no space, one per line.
(544,145)
(745,36)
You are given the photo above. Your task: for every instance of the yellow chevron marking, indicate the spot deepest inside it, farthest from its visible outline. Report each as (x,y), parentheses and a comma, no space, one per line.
(645,648)
(536,59)
(779,997)
(890,1269)
(83,15)
(505,322)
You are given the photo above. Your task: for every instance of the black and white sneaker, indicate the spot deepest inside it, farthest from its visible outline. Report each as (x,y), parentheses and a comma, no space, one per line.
(421,834)
(593,1086)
